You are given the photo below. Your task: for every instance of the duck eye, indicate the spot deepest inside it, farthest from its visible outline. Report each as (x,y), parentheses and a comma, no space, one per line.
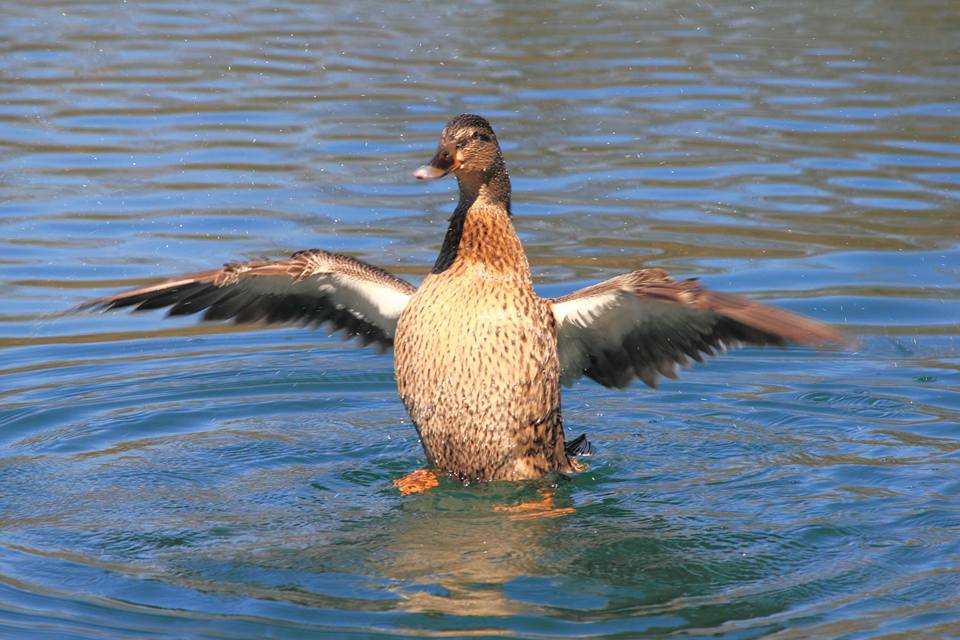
(476,135)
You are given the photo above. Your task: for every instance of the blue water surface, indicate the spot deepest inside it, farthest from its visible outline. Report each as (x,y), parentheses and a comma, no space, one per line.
(165,479)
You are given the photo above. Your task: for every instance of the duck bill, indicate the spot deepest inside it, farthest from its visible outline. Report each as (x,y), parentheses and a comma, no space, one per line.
(442,164)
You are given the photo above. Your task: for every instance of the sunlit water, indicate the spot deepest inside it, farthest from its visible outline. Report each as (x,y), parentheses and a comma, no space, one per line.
(166,480)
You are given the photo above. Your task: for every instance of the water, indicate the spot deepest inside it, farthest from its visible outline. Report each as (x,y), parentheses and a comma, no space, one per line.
(160,479)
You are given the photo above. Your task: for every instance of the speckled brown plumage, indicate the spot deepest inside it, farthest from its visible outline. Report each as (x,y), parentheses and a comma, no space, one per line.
(479,357)
(476,358)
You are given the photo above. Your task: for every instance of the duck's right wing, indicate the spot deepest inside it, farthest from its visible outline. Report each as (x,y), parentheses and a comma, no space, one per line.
(309,288)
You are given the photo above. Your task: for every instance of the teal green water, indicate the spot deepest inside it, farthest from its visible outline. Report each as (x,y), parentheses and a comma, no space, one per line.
(160,479)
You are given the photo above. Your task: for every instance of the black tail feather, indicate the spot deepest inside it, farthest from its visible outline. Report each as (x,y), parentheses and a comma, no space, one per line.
(579,446)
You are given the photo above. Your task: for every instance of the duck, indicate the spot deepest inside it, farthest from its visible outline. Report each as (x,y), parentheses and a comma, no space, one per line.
(479,357)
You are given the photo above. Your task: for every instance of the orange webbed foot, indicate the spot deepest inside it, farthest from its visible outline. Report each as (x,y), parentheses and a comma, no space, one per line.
(417,482)
(540,509)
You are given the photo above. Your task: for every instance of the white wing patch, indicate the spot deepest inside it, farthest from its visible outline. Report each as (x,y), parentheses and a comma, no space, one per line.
(372,302)
(576,337)
(582,311)
(367,300)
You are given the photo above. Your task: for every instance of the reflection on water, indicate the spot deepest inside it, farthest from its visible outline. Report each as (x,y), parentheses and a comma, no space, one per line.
(232,483)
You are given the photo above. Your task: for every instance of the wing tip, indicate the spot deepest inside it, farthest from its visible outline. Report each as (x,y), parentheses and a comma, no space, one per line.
(101,304)
(823,337)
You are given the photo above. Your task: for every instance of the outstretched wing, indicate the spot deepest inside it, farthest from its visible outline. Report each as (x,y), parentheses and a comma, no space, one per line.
(645,324)
(309,288)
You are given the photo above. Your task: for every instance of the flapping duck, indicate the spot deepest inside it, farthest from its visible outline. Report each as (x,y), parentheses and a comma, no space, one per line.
(479,357)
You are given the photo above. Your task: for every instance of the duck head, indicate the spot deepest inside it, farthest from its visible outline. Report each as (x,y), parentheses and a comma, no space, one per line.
(468,147)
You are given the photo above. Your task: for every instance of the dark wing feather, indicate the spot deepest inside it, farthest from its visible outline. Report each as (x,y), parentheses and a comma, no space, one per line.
(311,288)
(644,325)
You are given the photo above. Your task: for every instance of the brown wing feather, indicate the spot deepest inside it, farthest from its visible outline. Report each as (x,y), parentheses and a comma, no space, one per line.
(310,288)
(644,324)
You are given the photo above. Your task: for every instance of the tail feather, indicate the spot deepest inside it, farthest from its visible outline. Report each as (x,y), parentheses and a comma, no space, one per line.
(579,446)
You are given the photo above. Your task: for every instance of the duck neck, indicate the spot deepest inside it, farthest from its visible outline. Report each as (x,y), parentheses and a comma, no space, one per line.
(480,229)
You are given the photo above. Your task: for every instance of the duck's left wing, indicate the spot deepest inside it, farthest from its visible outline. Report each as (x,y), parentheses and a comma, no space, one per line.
(309,287)
(645,324)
